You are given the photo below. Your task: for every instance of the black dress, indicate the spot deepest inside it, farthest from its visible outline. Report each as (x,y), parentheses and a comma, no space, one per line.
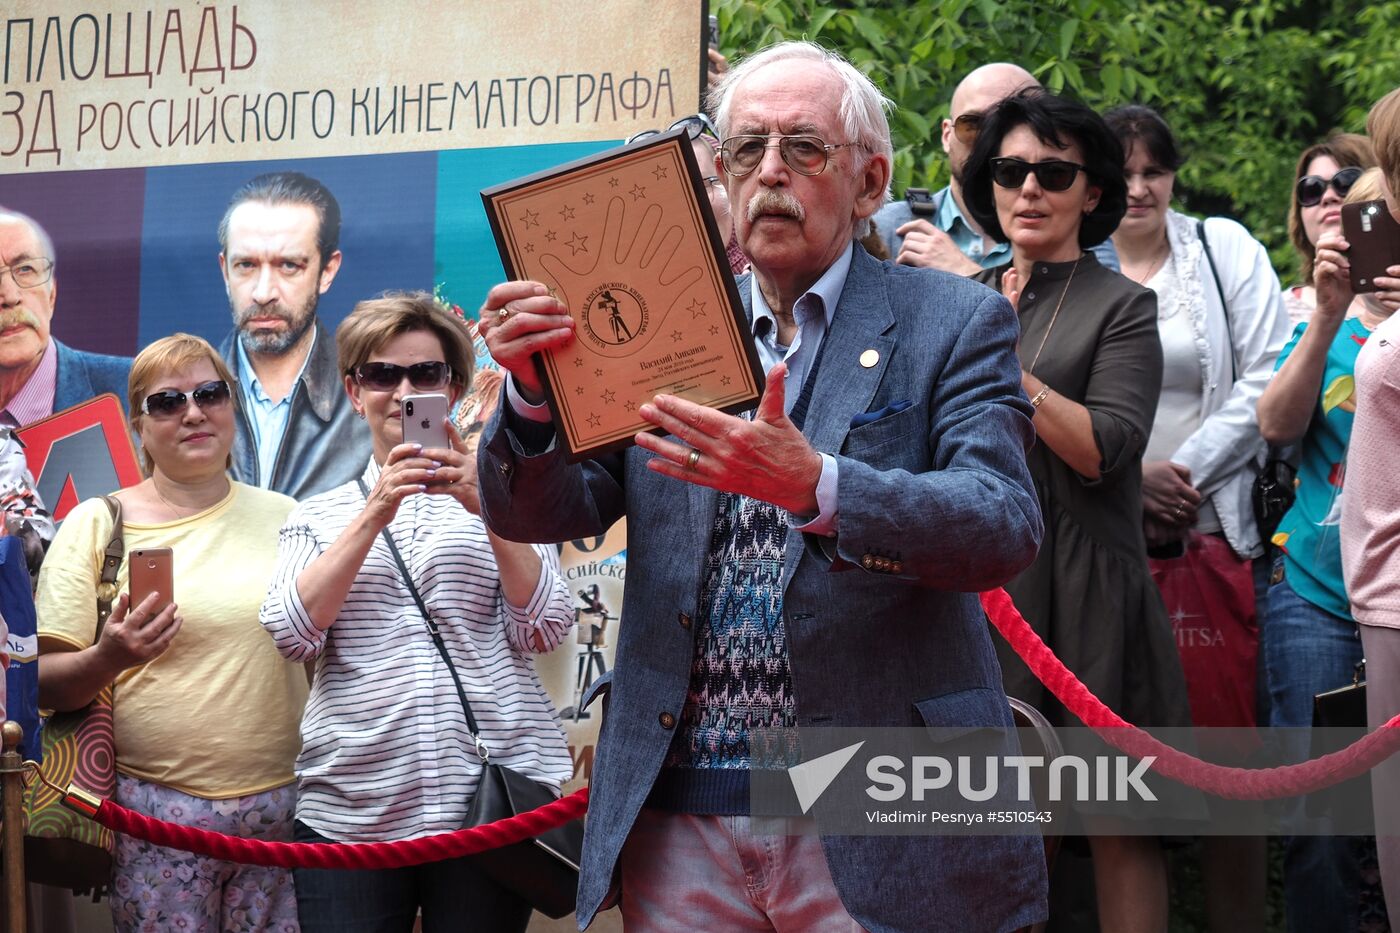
(1089,593)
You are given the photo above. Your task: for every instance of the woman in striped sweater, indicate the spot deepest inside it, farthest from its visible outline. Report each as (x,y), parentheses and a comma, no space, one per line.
(386,751)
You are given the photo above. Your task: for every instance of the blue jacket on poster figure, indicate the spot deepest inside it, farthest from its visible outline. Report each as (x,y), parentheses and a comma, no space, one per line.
(920,403)
(83,376)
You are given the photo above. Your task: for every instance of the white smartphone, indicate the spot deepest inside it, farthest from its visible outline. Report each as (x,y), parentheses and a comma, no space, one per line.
(423,421)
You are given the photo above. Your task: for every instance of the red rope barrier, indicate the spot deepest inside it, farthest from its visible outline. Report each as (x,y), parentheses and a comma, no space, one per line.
(1227,782)
(349,855)
(1230,783)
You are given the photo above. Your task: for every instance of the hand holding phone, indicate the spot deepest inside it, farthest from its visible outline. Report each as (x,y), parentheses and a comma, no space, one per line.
(1373,238)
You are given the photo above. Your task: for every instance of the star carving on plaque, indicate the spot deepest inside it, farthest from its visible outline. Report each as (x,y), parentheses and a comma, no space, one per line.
(659,172)
(578,244)
(630,405)
(598,372)
(612,182)
(638,192)
(725,380)
(567,212)
(530,219)
(696,308)
(578,390)
(594,421)
(529,247)
(677,336)
(578,361)
(608,396)
(714,330)
(588,197)
(551,236)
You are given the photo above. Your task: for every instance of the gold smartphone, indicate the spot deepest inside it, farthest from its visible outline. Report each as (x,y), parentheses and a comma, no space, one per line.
(152,571)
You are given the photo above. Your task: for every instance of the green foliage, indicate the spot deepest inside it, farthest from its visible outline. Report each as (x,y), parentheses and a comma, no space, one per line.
(1244,85)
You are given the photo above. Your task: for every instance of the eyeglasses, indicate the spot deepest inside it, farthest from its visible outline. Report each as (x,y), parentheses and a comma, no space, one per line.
(966,127)
(168,404)
(695,125)
(1312,188)
(1052,174)
(805,155)
(385,377)
(29,273)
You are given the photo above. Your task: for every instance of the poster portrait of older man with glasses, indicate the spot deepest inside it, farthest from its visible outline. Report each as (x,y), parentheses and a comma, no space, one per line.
(39,375)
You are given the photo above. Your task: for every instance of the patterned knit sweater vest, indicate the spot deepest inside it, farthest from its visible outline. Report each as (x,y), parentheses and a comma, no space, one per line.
(739,678)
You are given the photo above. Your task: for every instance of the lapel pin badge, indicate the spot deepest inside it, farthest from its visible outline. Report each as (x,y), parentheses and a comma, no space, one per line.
(869,358)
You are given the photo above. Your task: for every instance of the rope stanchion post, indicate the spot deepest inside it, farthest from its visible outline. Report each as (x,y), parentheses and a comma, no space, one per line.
(12,772)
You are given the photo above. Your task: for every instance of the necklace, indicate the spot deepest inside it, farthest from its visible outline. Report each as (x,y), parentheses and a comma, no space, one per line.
(1158,259)
(174,511)
(1054,316)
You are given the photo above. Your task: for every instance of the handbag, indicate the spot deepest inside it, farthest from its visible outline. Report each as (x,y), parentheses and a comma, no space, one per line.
(62,848)
(542,871)
(1209,595)
(1272,493)
(1343,708)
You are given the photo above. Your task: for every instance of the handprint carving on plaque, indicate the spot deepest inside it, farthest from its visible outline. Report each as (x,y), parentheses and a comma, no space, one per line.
(636,279)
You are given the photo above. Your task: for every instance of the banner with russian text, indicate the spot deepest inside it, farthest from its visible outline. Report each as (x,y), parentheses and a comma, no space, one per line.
(125,128)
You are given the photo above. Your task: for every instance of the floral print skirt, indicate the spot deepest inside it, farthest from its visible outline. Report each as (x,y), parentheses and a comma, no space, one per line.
(167,891)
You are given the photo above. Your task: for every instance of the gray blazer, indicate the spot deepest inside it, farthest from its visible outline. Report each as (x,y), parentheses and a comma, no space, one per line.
(935,503)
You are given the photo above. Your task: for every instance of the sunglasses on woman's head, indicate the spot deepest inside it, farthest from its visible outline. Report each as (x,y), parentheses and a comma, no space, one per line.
(385,377)
(170,403)
(1312,188)
(1052,174)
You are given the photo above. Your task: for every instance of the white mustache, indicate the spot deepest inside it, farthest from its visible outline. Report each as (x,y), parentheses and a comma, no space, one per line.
(773,201)
(20,316)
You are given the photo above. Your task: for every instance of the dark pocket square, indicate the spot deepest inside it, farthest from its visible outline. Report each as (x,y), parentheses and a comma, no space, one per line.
(893,408)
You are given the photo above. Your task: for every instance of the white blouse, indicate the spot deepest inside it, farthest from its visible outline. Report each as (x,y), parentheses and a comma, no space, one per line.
(386,753)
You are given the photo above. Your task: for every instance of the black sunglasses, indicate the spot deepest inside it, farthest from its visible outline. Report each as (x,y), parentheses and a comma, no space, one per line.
(169,403)
(1052,174)
(695,126)
(385,377)
(1312,188)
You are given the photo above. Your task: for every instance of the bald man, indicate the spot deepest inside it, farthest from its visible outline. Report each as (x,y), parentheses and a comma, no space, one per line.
(936,231)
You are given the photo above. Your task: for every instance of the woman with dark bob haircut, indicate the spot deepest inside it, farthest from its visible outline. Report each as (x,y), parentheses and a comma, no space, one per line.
(1047,175)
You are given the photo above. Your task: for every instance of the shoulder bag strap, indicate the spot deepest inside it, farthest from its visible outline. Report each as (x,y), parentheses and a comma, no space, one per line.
(111,563)
(433,632)
(1219,290)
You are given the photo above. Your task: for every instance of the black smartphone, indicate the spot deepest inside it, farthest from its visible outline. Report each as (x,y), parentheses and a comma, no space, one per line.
(1373,237)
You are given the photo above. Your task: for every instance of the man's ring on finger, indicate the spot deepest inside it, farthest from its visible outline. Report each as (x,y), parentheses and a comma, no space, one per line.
(692,459)
(503,313)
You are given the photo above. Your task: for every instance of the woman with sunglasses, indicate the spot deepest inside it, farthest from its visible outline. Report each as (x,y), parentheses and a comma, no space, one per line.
(1046,174)
(205,712)
(1326,171)
(1221,322)
(386,752)
(1311,640)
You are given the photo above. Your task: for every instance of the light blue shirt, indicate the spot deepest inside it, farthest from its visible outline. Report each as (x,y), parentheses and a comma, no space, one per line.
(812,313)
(267,418)
(951,221)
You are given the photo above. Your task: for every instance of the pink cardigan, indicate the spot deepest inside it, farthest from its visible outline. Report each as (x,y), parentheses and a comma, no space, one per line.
(1370,529)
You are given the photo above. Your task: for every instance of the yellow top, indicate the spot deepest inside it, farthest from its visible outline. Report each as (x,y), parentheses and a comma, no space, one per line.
(217,714)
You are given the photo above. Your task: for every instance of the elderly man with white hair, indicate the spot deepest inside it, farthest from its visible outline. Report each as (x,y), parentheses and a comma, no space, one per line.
(813,565)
